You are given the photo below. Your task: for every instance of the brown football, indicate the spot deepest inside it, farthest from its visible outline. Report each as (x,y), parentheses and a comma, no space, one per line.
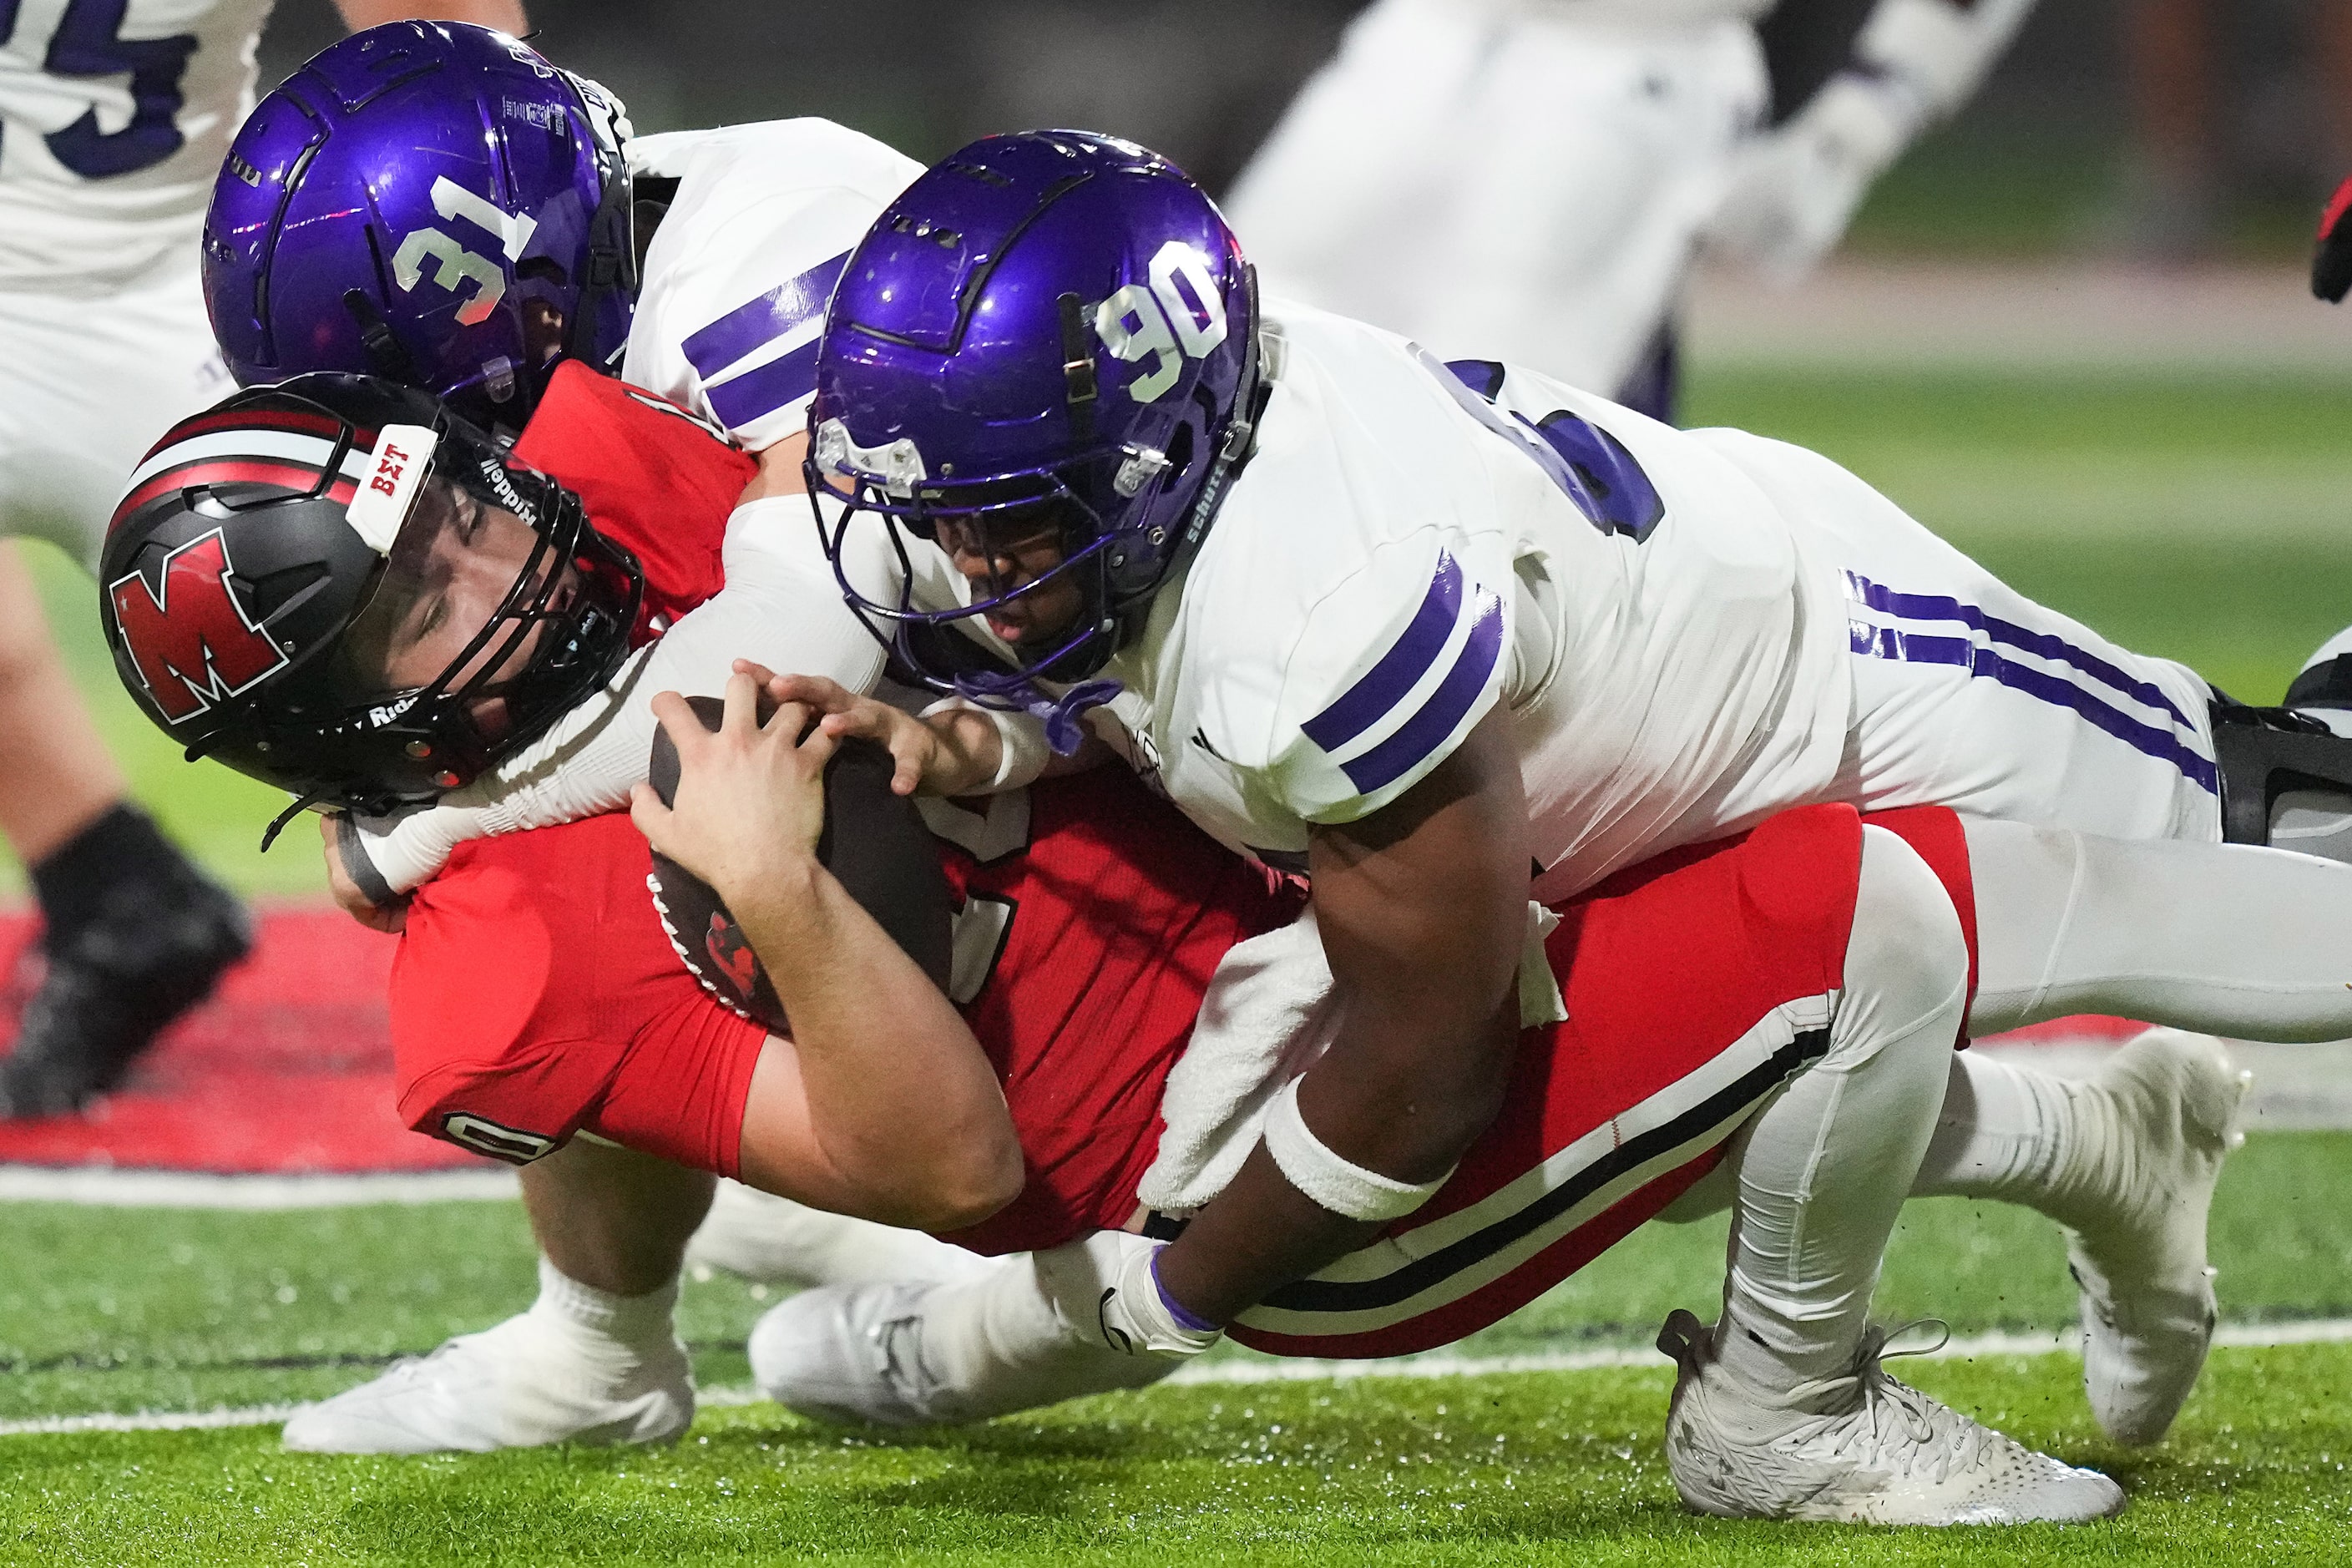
(873,841)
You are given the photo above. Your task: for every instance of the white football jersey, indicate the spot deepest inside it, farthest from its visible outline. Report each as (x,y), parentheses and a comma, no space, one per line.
(1410,545)
(113,121)
(739,274)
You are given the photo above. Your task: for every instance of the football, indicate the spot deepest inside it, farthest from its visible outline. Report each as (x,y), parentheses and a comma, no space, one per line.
(873,841)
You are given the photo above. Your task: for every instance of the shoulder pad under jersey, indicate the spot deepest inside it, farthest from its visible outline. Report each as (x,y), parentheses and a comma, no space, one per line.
(1390,670)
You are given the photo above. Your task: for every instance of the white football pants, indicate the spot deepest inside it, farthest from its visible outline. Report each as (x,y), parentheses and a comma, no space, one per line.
(87,383)
(1968,694)
(1504,181)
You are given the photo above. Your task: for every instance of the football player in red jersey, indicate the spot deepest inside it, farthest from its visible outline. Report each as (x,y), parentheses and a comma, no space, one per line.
(1663,1015)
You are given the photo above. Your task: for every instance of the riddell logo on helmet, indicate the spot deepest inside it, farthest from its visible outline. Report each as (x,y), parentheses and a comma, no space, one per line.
(194,644)
(508,497)
(379,717)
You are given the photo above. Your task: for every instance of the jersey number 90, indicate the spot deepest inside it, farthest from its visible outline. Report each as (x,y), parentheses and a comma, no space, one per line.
(1158,323)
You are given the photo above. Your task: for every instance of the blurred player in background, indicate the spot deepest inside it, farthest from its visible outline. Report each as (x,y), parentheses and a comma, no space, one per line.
(1540,172)
(113,118)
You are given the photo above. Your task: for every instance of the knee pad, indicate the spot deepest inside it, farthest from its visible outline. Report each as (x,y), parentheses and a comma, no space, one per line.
(1907,956)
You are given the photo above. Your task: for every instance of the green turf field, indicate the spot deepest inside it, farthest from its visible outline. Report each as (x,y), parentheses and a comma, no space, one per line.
(151,1310)
(2204,518)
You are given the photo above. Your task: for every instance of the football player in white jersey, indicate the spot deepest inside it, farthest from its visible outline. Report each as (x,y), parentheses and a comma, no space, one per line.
(1432,631)
(1539,173)
(696,264)
(113,117)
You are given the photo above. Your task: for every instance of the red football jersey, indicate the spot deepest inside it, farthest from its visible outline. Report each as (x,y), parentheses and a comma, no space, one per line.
(653,478)
(1106,913)
(536,993)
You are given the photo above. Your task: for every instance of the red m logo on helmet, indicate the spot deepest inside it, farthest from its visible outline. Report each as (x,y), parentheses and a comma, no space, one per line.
(193,644)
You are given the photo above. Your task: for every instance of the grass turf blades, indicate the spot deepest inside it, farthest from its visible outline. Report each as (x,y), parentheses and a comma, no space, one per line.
(124,1309)
(1537,1468)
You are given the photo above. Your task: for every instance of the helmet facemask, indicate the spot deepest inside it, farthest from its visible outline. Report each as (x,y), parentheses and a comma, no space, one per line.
(1105,514)
(316,567)
(495,569)
(1003,521)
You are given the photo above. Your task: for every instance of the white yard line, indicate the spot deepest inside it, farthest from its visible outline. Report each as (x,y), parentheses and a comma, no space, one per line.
(2318,1331)
(108,1188)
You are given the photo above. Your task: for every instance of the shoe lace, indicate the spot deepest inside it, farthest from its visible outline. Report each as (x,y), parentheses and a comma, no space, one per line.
(1869,1412)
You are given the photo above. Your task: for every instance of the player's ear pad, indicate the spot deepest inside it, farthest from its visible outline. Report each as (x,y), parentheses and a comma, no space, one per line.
(873,842)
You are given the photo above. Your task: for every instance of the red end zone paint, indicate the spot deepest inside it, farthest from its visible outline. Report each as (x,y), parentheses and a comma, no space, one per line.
(2070,1031)
(287,1071)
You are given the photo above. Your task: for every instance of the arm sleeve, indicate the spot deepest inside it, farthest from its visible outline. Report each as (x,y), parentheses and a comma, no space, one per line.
(738,278)
(1937,49)
(781,607)
(1393,667)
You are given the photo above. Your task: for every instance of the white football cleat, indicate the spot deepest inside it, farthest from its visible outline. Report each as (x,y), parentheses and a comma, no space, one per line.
(852,1354)
(2169,1101)
(1861,1448)
(1027,1331)
(773,1241)
(522,1385)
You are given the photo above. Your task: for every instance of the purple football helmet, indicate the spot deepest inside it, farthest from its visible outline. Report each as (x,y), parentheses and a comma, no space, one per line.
(430,201)
(1048,333)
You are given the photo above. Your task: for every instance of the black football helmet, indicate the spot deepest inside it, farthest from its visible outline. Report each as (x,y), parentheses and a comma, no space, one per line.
(253,541)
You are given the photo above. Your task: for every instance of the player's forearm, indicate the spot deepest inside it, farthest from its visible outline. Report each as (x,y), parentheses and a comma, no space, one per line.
(1262,1232)
(902,1100)
(1423,908)
(1937,50)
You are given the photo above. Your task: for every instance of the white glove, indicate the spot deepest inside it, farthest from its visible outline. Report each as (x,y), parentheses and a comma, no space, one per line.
(1044,1327)
(1105,1289)
(1794,190)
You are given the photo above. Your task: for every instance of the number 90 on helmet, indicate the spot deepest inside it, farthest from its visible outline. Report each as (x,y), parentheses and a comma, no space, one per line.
(267,567)
(431,201)
(1057,331)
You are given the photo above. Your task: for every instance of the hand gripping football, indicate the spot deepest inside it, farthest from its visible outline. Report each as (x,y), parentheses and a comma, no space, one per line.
(873,842)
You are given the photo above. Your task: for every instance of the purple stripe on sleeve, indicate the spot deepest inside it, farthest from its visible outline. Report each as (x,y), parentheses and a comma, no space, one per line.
(2045,644)
(783,380)
(1455,697)
(750,327)
(1384,686)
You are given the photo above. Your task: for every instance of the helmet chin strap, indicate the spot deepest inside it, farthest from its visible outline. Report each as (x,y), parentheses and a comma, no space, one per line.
(277,823)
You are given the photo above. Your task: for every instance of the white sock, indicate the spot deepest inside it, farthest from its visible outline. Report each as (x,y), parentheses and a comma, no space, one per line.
(2022,1136)
(1824,1168)
(601,1320)
(2225,938)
